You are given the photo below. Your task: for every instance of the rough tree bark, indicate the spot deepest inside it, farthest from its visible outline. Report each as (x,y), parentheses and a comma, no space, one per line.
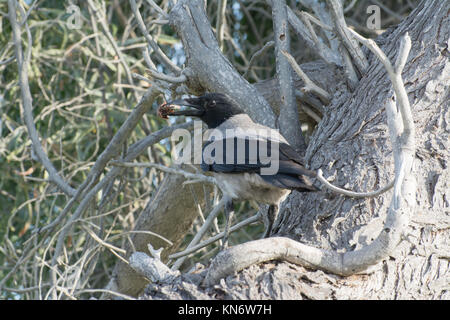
(357,154)
(351,145)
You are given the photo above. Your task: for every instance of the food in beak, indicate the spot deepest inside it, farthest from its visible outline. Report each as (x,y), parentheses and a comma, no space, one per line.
(165,110)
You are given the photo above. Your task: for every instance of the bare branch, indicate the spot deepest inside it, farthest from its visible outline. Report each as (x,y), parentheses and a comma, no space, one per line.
(22,62)
(159,53)
(244,255)
(101,18)
(289,122)
(221,22)
(336,10)
(199,235)
(308,18)
(395,74)
(356,195)
(179,79)
(142,78)
(187,175)
(310,86)
(258,53)
(328,54)
(157,8)
(151,268)
(217,237)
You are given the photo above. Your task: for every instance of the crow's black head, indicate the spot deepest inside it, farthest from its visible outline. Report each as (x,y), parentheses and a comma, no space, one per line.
(211,108)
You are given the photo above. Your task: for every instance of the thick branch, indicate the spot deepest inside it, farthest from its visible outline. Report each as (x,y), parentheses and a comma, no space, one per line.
(288,120)
(336,10)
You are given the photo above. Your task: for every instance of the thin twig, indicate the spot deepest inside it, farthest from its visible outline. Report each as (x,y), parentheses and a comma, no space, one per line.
(308,17)
(352,194)
(257,54)
(159,53)
(22,62)
(198,236)
(101,18)
(310,37)
(310,86)
(187,175)
(157,8)
(217,237)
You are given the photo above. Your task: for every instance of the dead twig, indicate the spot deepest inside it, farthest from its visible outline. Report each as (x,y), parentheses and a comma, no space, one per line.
(310,86)
(352,194)
(27,101)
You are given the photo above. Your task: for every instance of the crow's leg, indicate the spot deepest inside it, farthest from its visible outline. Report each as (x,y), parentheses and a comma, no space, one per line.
(228,209)
(269,218)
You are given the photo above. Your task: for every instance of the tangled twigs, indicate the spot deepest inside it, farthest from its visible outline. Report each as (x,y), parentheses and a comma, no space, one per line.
(22,63)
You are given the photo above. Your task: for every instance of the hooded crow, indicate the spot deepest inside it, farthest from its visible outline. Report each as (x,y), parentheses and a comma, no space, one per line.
(249,161)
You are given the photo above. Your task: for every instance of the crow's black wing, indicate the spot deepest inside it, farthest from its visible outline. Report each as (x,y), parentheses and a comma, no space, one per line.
(291,162)
(240,155)
(234,155)
(289,153)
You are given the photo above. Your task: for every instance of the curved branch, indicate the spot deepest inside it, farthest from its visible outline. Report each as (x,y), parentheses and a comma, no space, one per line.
(22,63)
(310,86)
(357,195)
(244,255)
(257,54)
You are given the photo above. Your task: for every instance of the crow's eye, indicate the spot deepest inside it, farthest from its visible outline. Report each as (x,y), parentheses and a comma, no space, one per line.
(212,103)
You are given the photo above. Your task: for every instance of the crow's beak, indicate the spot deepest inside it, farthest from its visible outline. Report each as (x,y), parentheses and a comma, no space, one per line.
(196,112)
